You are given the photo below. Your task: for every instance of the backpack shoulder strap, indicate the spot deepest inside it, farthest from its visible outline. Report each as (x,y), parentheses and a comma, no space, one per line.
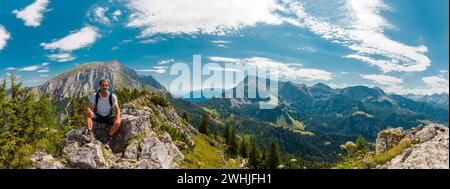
(111,99)
(97,97)
(111,103)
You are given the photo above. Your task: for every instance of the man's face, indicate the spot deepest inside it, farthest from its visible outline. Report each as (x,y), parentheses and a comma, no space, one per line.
(104,86)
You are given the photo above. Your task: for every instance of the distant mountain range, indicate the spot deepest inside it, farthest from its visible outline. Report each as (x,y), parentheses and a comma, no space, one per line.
(440,100)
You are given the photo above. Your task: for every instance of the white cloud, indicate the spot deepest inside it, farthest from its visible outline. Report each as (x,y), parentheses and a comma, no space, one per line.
(437,84)
(76,40)
(383,79)
(100,15)
(433,85)
(62,57)
(168,61)
(4,37)
(43,75)
(153,40)
(11,68)
(218,17)
(32,15)
(29,68)
(116,14)
(223,59)
(307,49)
(284,70)
(43,71)
(156,69)
(221,43)
(363,32)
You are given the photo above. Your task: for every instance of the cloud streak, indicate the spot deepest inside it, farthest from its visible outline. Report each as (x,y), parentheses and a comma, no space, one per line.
(218,17)
(76,40)
(4,37)
(363,33)
(33,14)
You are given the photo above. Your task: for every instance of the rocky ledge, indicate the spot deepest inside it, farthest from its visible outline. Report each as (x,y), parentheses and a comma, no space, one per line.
(428,147)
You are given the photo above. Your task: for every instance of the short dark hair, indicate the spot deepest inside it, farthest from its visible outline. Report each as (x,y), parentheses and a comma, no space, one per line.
(104,80)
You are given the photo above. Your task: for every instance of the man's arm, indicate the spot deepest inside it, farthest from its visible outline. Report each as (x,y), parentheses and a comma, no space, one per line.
(117,113)
(89,110)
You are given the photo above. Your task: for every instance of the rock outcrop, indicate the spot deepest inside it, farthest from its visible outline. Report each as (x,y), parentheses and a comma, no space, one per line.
(139,143)
(429,147)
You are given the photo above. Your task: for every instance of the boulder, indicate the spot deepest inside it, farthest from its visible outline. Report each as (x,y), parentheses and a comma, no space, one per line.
(429,150)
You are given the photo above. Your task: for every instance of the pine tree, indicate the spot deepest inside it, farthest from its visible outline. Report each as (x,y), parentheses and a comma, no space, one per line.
(362,146)
(243,149)
(185,116)
(226,133)
(254,158)
(274,156)
(263,164)
(233,148)
(205,124)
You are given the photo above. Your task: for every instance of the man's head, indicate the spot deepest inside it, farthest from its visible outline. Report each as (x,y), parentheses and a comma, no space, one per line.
(104,85)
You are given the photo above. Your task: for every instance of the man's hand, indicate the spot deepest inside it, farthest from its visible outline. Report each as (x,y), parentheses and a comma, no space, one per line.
(89,113)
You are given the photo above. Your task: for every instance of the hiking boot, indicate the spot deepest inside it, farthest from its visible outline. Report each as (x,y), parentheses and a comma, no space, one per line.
(90,135)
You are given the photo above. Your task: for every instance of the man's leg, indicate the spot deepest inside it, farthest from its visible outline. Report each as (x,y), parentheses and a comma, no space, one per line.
(89,124)
(115,127)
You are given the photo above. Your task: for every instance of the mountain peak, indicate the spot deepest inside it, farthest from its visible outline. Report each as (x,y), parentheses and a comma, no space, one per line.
(83,80)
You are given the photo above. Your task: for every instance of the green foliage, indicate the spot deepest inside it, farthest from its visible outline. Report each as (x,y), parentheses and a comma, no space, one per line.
(27,123)
(233,147)
(185,116)
(254,156)
(226,133)
(243,149)
(177,135)
(159,100)
(274,156)
(206,156)
(205,124)
(76,112)
(126,95)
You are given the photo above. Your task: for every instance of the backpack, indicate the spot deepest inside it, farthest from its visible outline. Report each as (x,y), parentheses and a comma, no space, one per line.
(97,97)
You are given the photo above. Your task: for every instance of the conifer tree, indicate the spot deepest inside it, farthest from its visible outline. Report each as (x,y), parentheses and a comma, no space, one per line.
(254,158)
(274,156)
(243,149)
(205,124)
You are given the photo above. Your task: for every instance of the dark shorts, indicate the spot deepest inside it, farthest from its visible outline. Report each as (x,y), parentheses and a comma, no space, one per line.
(102,119)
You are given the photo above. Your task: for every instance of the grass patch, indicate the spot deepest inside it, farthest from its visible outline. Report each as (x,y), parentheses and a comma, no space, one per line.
(386,156)
(205,156)
(176,135)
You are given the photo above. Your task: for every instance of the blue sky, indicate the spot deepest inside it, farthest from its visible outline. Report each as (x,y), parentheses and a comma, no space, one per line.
(399,45)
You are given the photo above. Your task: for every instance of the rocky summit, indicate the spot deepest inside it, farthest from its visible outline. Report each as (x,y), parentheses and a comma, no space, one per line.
(428,150)
(139,143)
(83,80)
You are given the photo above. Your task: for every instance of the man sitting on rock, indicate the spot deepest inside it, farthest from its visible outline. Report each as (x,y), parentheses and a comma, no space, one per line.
(100,110)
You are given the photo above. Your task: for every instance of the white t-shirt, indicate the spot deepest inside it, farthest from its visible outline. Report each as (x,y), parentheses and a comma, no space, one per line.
(103,107)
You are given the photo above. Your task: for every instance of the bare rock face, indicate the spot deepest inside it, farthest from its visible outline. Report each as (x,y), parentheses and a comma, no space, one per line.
(429,150)
(388,138)
(137,144)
